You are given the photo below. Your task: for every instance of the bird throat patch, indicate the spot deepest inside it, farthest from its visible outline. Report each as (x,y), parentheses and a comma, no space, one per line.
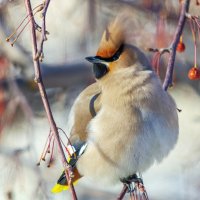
(99,70)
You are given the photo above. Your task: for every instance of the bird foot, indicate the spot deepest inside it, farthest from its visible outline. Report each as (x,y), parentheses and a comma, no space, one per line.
(132,179)
(138,183)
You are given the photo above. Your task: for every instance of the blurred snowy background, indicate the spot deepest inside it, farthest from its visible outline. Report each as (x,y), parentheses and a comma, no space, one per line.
(75,30)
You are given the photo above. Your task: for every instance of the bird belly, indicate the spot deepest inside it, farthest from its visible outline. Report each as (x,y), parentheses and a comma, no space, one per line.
(122,148)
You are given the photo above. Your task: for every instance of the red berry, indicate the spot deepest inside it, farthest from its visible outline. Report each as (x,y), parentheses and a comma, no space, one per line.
(194,73)
(180,47)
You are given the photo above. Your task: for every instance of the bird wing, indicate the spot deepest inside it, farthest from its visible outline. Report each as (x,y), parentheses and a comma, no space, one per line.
(82,112)
(86,105)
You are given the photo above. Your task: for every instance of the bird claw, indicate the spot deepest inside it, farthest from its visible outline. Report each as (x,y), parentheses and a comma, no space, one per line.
(138,182)
(133,178)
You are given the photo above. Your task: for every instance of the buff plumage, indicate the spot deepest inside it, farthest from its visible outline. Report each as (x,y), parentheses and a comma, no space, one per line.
(136,122)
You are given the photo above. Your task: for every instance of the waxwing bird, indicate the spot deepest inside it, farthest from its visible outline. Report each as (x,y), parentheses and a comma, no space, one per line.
(135,122)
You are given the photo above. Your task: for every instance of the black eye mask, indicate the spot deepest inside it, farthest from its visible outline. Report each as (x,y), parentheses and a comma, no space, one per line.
(100,69)
(114,57)
(99,63)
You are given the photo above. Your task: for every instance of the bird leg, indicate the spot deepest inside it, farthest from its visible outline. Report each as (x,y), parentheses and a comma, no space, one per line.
(130,179)
(136,192)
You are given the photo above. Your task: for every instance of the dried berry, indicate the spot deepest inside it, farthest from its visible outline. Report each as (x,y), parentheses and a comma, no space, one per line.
(194,73)
(180,47)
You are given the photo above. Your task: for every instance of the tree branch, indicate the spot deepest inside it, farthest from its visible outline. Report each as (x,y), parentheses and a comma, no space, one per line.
(179,30)
(38,79)
(123,192)
(43,31)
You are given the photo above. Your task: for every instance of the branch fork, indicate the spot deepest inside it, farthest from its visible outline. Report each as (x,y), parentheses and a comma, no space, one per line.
(172,49)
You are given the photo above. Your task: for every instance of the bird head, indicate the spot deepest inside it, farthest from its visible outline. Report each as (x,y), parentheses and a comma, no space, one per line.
(116,52)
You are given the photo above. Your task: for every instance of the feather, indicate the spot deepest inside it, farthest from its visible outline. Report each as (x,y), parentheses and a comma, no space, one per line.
(112,38)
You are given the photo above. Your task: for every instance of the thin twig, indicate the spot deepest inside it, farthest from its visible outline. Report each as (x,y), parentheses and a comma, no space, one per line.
(38,78)
(178,33)
(157,56)
(15,31)
(123,192)
(43,30)
(194,31)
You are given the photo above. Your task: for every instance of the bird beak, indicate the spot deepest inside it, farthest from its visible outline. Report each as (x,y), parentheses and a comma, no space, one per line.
(94,59)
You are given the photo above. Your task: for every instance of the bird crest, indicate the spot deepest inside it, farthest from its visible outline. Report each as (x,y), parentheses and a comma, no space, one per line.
(113,37)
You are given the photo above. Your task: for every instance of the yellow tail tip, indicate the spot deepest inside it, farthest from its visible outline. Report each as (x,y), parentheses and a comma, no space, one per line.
(59,188)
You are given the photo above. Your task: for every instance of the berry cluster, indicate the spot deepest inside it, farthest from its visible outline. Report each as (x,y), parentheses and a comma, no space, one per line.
(194,72)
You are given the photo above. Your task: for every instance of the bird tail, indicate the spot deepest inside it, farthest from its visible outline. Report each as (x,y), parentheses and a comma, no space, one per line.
(75,152)
(62,182)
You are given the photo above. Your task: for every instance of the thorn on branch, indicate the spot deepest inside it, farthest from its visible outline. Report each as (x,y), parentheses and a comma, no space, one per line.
(179,110)
(47,32)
